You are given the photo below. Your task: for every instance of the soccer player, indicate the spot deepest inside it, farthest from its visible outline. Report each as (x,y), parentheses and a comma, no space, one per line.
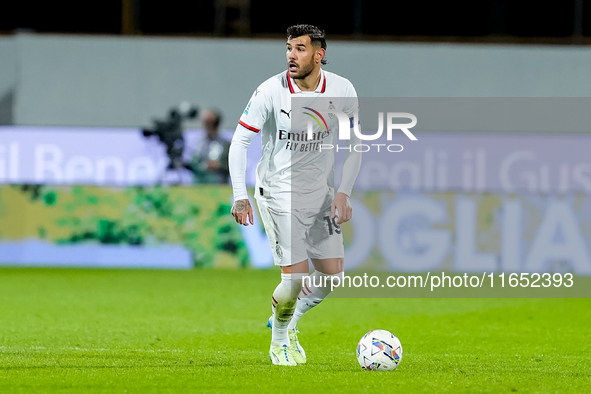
(295,191)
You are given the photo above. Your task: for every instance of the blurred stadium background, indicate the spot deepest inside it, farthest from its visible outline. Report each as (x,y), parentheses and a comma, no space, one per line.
(82,186)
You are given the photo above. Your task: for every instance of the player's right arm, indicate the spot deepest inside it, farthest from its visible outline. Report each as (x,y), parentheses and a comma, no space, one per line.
(250,124)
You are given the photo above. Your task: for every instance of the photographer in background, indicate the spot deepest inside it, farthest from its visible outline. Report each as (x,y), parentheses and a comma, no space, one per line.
(209,162)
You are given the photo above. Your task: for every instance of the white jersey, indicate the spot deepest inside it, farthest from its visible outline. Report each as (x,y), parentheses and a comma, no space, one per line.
(293,169)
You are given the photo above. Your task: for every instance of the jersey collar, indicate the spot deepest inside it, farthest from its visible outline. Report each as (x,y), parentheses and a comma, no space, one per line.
(294,88)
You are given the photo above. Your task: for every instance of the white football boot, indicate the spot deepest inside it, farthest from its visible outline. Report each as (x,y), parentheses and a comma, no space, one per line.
(282,355)
(297,350)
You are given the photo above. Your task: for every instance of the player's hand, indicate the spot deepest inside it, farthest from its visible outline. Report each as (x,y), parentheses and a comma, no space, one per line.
(341,204)
(242,212)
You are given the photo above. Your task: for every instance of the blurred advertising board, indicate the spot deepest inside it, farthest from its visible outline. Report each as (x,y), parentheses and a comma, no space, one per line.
(90,156)
(458,232)
(182,227)
(119,227)
(453,200)
(439,161)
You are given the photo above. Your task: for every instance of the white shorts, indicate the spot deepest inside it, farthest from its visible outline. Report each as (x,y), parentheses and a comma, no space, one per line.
(304,233)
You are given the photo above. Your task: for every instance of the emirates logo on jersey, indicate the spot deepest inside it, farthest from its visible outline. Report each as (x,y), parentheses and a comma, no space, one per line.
(317,117)
(303,141)
(310,140)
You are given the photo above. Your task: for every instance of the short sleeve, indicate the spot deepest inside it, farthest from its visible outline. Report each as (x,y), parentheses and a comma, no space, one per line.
(257,110)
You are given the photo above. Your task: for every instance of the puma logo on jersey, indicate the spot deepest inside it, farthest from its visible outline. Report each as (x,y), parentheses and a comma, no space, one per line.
(286,113)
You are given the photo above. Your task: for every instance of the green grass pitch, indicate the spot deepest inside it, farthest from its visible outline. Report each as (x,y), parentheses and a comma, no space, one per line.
(117,331)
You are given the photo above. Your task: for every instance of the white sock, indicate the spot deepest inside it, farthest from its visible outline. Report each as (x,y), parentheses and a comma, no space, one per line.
(316,288)
(283,303)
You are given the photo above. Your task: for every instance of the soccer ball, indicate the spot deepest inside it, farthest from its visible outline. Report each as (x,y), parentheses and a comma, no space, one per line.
(379,350)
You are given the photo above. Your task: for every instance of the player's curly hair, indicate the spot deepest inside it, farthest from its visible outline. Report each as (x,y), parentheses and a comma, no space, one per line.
(316,36)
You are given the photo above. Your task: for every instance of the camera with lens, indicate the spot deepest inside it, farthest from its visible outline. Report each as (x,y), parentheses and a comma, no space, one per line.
(170,132)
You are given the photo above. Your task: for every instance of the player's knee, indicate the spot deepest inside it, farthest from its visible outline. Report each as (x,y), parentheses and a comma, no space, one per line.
(287,291)
(332,266)
(328,282)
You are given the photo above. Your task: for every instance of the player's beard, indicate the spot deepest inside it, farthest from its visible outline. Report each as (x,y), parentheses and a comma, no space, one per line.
(304,71)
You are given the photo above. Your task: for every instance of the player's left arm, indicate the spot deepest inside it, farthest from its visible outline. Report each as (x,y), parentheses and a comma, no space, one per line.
(351,165)
(351,168)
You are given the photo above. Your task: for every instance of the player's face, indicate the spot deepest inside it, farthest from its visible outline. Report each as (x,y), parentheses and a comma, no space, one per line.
(302,57)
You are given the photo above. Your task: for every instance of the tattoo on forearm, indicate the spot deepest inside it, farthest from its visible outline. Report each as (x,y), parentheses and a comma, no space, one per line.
(241,206)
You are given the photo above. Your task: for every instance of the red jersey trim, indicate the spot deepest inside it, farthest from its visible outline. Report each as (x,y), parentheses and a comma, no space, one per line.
(249,127)
(289,82)
(292,91)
